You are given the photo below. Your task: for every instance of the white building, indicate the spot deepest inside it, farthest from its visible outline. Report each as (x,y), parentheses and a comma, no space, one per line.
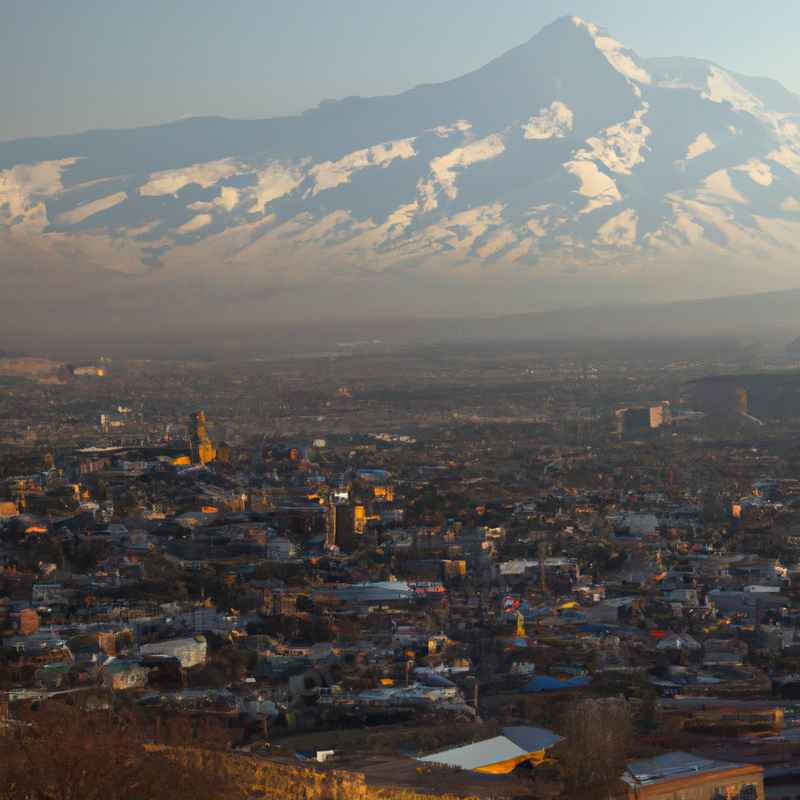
(190,652)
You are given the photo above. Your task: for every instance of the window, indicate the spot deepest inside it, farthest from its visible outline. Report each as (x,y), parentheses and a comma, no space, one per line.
(748,791)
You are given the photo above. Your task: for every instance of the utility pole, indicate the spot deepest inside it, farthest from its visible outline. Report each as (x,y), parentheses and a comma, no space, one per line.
(542,554)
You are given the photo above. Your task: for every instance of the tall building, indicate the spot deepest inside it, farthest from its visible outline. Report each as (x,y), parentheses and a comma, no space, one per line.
(659,415)
(202,447)
(720,396)
(359,519)
(345,525)
(637,420)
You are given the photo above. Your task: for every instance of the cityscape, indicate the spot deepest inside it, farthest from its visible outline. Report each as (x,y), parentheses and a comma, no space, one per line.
(399,401)
(431,572)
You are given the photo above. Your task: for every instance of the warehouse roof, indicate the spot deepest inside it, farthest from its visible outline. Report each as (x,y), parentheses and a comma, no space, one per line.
(514,742)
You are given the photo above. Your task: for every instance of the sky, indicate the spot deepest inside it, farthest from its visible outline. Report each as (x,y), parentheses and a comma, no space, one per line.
(70,67)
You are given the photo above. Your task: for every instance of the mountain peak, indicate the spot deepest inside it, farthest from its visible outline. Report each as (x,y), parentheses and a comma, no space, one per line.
(623,60)
(567,26)
(579,22)
(570,20)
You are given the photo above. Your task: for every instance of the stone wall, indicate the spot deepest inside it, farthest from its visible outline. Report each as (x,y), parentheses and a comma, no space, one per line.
(271,780)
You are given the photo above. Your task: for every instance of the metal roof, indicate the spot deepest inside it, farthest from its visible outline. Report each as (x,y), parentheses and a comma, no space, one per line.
(670,766)
(515,742)
(530,738)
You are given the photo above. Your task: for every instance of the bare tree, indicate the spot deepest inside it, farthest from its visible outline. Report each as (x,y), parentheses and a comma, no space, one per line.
(67,754)
(598,734)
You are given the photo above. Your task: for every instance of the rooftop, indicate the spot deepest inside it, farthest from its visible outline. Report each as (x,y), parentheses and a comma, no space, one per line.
(514,742)
(674,766)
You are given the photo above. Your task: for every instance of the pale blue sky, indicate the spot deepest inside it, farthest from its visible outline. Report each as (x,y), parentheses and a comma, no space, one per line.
(72,66)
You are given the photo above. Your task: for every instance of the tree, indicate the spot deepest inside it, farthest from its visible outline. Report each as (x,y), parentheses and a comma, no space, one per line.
(69,754)
(598,733)
(647,718)
(89,554)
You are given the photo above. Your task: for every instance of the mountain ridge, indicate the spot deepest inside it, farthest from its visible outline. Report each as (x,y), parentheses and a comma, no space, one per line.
(566,165)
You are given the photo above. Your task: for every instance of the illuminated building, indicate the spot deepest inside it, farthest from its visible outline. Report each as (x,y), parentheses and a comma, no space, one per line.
(383,493)
(345,524)
(642,419)
(359,520)
(8,509)
(92,372)
(501,754)
(202,447)
(28,622)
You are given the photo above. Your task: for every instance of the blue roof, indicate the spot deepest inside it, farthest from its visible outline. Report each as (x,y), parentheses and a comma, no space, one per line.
(544,683)
(597,627)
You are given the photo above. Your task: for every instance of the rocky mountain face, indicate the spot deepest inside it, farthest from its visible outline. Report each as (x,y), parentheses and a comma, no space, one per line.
(568,168)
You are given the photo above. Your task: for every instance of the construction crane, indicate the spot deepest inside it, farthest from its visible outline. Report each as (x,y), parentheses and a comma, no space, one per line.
(520,625)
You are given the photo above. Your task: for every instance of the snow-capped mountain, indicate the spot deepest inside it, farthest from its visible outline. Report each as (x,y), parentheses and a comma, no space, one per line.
(567,157)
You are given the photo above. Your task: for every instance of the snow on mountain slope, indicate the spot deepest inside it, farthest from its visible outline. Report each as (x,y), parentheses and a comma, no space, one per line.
(702,144)
(622,60)
(331,174)
(620,147)
(553,122)
(595,184)
(22,189)
(565,155)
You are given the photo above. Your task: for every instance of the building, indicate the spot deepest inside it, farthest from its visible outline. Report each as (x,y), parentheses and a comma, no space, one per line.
(500,755)
(202,447)
(558,570)
(346,523)
(89,372)
(679,642)
(190,652)
(635,524)
(359,520)
(279,548)
(659,415)
(753,605)
(720,397)
(692,777)
(107,642)
(376,476)
(376,593)
(119,674)
(279,602)
(638,420)
(46,594)
(28,622)
(224,453)
(385,493)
